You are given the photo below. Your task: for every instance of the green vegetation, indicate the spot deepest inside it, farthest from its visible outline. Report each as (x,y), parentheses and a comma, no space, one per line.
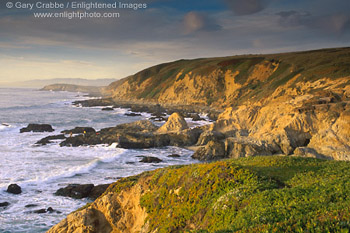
(257,194)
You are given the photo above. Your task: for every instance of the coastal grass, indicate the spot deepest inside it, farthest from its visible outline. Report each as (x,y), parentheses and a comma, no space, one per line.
(257,194)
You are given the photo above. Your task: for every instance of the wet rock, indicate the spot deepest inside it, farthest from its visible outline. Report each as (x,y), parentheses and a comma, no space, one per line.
(132,114)
(174,156)
(40,211)
(14,189)
(4,204)
(81,140)
(30,205)
(76,191)
(44,211)
(79,130)
(48,139)
(94,102)
(37,128)
(150,159)
(107,109)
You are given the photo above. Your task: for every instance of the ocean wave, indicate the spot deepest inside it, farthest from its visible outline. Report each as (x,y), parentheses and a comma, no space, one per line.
(76,170)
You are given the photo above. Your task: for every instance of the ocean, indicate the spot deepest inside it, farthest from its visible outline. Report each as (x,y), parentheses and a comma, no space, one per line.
(41,170)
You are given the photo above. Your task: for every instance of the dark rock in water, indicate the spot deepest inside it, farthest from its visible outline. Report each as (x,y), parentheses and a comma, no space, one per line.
(4,204)
(79,191)
(30,205)
(44,211)
(14,189)
(150,159)
(174,156)
(88,139)
(76,191)
(79,130)
(48,139)
(98,190)
(40,211)
(135,135)
(37,128)
(132,114)
(94,102)
(107,109)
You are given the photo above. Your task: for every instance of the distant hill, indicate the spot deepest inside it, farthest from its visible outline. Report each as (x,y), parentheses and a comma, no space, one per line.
(94,91)
(38,83)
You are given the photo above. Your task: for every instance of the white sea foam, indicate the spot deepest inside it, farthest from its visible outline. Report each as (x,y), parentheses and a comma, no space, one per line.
(41,170)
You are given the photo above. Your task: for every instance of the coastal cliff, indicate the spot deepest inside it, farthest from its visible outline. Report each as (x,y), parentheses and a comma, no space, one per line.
(233,81)
(292,103)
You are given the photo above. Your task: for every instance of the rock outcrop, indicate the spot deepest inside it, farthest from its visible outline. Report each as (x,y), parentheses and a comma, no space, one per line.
(116,211)
(79,191)
(175,123)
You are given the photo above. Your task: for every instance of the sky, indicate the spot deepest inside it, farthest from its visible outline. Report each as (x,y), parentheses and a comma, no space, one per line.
(166,30)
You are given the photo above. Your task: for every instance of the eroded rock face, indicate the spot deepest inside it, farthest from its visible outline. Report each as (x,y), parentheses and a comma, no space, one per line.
(207,136)
(175,123)
(211,151)
(292,121)
(113,212)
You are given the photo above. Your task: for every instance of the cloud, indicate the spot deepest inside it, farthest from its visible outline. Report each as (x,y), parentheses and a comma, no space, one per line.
(194,21)
(247,7)
(292,18)
(337,23)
